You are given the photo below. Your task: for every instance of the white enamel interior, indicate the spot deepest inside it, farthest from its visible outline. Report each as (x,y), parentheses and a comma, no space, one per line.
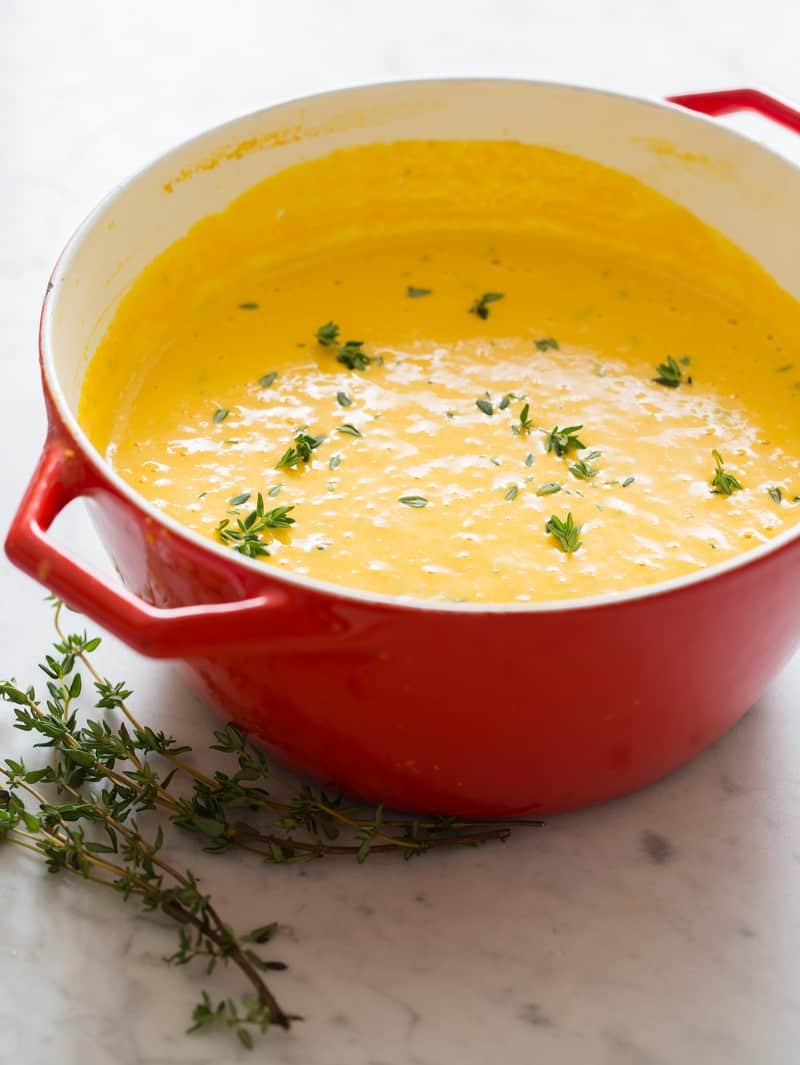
(728,180)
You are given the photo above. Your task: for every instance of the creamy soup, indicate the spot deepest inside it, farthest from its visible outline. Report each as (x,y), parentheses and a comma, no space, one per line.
(462,371)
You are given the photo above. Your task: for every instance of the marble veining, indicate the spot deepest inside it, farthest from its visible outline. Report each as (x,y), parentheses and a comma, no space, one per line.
(661,929)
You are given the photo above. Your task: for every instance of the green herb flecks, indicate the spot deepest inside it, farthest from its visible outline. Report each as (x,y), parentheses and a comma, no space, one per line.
(343,399)
(351,355)
(349,430)
(327,335)
(723,483)
(628,481)
(220,414)
(250,305)
(566,533)
(414,293)
(485,405)
(584,470)
(268,380)
(335,462)
(512,492)
(549,488)
(670,375)
(413,501)
(775,494)
(547,343)
(525,423)
(299,452)
(240,500)
(481,304)
(561,441)
(246,535)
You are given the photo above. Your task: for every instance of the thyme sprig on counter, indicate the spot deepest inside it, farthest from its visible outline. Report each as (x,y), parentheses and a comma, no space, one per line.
(101,807)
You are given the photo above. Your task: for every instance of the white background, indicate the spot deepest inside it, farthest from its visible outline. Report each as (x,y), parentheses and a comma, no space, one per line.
(568,946)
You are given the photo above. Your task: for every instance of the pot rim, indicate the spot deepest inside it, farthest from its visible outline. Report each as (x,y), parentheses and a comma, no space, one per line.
(341,591)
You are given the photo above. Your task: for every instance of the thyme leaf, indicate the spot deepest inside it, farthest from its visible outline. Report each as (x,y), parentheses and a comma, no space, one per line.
(566,533)
(561,441)
(723,483)
(481,304)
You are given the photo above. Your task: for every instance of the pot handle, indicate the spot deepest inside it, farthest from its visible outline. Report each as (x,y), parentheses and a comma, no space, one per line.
(180,632)
(727,101)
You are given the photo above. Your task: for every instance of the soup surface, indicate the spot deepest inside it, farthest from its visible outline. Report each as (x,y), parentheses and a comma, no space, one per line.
(461,371)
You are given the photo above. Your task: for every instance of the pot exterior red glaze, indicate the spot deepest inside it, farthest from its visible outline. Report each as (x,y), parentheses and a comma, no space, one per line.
(442,709)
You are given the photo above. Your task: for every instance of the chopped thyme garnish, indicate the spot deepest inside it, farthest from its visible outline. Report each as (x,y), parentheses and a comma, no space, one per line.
(525,423)
(246,536)
(785,368)
(529,459)
(414,293)
(268,379)
(249,306)
(304,444)
(351,355)
(549,488)
(413,501)
(627,481)
(327,334)
(335,462)
(562,440)
(220,414)
(349,430)
(481,304)
(545,343)
(237,501)
(723,483)
(485,405)
(275,490)
(565,532)
(583,470)
(775,494)
(670,374)
(343,399)
(512,492)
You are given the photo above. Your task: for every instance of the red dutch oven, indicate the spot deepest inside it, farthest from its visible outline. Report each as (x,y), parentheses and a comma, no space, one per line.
(483,711)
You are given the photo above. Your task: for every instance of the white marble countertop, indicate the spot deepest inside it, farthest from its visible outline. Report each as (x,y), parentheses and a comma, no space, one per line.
(662,928)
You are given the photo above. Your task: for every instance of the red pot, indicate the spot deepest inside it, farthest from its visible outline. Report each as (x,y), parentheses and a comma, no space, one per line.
(442,708)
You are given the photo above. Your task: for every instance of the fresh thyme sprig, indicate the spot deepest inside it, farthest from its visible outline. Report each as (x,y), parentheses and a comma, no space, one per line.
(107,781)
(566,533)
(300,451)
(247,535)
(563,440)
(723,483)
